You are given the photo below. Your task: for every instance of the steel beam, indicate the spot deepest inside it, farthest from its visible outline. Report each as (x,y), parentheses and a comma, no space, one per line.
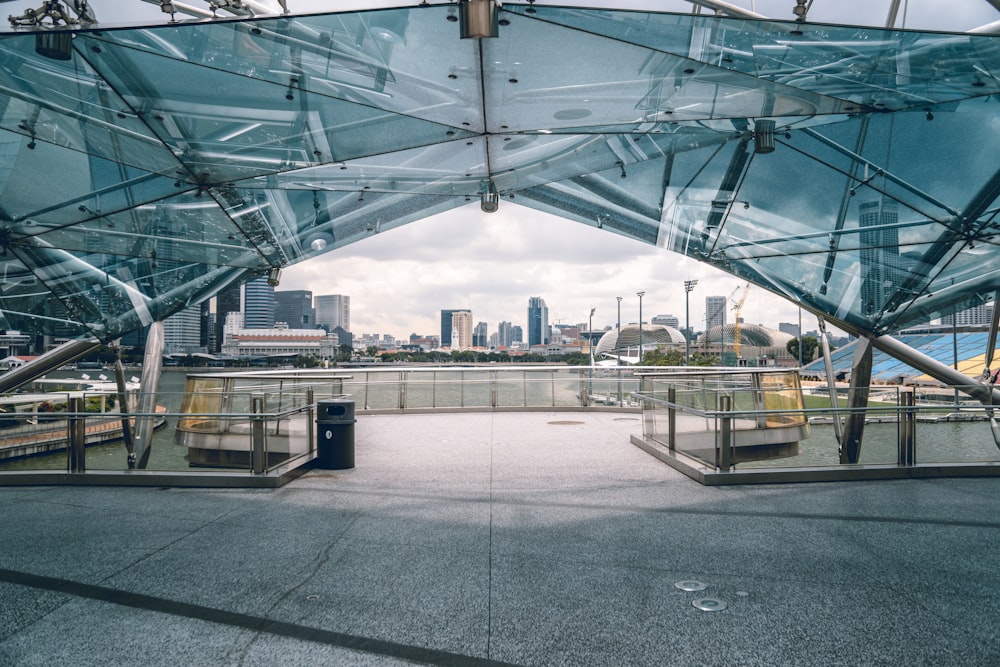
(151,363)
(857,402)
(51,360)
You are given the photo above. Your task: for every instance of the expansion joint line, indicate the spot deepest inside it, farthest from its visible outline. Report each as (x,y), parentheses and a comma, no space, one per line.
(489,575)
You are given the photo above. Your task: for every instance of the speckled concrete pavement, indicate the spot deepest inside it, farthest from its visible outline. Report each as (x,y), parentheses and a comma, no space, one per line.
(483,539)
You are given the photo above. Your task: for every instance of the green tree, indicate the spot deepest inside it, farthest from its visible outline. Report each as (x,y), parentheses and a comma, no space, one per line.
(810,345)
(660,358)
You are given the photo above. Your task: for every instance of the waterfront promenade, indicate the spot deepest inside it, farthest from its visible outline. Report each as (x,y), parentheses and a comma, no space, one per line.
(480,539)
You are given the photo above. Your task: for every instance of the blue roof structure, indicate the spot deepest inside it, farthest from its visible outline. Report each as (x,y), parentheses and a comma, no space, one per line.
(144,169)
(940,346)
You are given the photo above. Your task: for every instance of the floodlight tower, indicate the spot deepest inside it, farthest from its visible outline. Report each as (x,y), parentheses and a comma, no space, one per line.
(689,285)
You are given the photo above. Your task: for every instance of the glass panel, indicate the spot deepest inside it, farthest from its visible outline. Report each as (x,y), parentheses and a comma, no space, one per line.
(420,389)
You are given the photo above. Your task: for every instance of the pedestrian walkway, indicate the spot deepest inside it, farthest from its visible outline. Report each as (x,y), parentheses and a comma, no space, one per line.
(485,539)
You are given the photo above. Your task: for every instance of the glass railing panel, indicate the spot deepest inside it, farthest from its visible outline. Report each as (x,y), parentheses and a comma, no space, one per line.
(383,391)
(511,389)
(968,439)
(477,390)
(420,389)
(539,388)
(569,388)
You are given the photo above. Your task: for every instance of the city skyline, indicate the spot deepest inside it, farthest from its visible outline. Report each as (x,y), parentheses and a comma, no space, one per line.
(400,280)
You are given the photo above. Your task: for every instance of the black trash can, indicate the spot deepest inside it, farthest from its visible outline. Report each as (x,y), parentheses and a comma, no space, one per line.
(335,433)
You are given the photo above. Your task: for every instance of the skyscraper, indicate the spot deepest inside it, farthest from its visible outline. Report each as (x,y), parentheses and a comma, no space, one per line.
(227,301)
(447,325)
(880,266)
(182,332)
(505,334)
(538,321)
(295,308)
(480,335)
(715,312)
(461,327)
(258,304)
(333,310)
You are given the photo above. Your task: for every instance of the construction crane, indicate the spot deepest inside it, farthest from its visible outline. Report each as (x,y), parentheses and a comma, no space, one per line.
(738,309)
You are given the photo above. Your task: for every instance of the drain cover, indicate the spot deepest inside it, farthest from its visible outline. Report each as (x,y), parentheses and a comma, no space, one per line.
(312,597)
(565,423)
(690,585)
(625,419)
(709,604)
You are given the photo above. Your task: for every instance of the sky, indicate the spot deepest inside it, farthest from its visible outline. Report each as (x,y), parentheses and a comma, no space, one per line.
(400,280)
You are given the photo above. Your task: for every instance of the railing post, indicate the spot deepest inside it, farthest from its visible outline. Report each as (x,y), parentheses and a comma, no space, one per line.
(907,428)
(77,426)
(258,455)
(493,389)
(724,443)
(671,418)
(310,422)
(401,400)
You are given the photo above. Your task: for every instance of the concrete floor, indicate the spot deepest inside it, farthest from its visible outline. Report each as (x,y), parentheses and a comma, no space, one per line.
(482,539)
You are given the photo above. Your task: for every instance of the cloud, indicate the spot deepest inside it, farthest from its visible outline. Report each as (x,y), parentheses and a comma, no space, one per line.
(400,280)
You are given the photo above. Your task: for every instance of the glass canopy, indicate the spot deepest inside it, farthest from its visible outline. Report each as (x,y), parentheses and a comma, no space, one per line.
(850,169)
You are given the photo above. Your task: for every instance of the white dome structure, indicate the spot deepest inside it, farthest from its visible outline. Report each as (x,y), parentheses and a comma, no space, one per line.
(653,335)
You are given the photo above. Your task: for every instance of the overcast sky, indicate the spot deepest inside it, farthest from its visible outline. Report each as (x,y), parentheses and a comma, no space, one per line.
(399,280)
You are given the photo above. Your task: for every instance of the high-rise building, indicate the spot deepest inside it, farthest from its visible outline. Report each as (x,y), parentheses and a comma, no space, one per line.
(480,336)
(205,325)
(295,308)
(447,325)
(879,240)
(227,301)
(258,304)
(516,334)
(505,334)
(667,321)
(333,310)
(461,329)
(538,321)
(789,328)
(715,312)
(182,332)
(977,316)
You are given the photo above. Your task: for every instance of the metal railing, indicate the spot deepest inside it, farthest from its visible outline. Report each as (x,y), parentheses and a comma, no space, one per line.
(760,426)
(491,388)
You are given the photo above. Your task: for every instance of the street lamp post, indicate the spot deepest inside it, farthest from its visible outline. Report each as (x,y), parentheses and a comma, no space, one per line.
(688,286)
(640,295)
(618,349)
(590,334)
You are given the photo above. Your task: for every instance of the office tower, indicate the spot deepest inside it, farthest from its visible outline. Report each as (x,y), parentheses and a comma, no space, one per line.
(227,301)
(715,312)
(505,334)
(332,311)
(206,324)
(538,321)
(516,334)
(258,304)
(295,308)
(667,321)
(447,325)
(461,329)
(182,332)
(880,266)
(480,335)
